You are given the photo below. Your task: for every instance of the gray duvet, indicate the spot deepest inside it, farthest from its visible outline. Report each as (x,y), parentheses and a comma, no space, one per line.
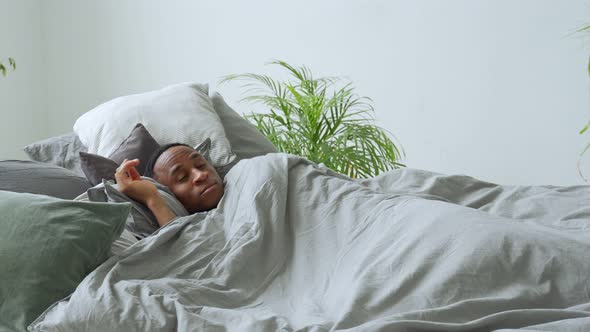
(294,247)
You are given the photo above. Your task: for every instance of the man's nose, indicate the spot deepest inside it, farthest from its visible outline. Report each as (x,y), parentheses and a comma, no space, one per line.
(199,176)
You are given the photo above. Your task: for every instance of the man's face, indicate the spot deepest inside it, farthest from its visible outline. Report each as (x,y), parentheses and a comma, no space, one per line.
(195,183)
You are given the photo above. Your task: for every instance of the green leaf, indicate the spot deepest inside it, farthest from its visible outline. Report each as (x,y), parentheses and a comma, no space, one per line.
(313,118)
(11,64)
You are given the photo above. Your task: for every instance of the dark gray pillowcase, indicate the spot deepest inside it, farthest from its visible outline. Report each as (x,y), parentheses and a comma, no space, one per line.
(96,168)
(245,139)
(60,150)
(139,144)
(33,177)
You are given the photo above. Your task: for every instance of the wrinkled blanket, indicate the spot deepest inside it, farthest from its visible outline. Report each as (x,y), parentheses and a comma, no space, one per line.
(294,247)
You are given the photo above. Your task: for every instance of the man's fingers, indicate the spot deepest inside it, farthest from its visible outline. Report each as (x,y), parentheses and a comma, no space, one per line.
(134,174)
(121,177)
(126,171)
(126,164)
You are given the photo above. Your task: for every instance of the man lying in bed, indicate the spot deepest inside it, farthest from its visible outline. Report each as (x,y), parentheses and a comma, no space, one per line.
(181,168)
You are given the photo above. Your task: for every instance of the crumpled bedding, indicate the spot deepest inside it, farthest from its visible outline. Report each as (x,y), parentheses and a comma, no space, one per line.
(294,247)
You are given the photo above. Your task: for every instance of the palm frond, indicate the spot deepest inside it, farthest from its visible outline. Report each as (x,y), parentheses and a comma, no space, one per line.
(4,69)
(313,118)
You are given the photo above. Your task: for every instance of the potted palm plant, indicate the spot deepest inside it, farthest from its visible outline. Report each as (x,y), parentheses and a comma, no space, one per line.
(4,69)
(316,119)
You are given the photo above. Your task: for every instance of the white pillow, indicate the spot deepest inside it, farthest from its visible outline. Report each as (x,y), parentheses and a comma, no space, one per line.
(179,113)
(245,139)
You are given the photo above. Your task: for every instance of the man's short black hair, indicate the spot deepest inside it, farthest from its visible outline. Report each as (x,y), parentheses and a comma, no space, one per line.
(149,167)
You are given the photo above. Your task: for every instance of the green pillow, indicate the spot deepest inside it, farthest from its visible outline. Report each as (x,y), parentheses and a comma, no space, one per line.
(47,246)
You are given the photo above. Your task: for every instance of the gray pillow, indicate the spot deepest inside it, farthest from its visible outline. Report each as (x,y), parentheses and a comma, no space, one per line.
(245,139)
(27,176)
(143,222)
(47,246)
(139,144)
(96,168)
(59,150)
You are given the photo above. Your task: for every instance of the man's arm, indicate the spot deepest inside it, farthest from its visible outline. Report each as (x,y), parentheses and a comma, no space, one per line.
(159,208)
(143,191)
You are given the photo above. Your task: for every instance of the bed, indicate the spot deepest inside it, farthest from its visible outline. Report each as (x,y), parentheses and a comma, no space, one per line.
(293,246)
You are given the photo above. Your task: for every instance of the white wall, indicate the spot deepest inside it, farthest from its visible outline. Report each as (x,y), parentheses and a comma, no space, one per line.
(22,92)
(494,89)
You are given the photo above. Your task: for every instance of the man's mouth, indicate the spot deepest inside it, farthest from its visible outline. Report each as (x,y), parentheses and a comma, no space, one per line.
(208,188)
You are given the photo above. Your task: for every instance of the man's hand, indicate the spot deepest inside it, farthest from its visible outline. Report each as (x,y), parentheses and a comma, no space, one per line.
(131,184)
